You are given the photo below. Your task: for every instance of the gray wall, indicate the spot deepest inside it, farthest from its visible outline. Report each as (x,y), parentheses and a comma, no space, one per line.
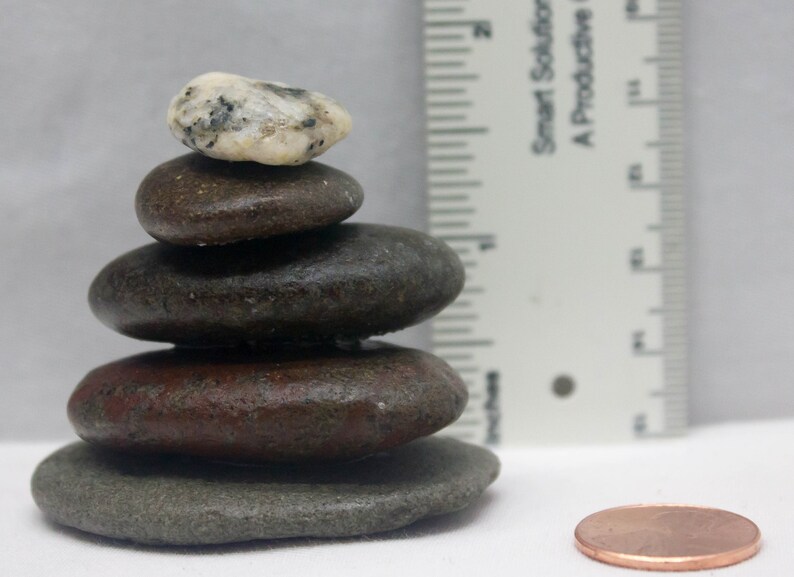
(84,90)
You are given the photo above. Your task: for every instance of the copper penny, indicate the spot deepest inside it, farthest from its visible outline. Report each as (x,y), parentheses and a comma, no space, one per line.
(668,537)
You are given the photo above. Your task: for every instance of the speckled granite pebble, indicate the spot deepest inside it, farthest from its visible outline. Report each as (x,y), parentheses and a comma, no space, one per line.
(195,200)
(181,501)
(231,117)
(306,404)
(345,281)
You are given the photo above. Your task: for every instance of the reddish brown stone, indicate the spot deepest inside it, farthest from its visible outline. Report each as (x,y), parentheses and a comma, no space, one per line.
(310,404)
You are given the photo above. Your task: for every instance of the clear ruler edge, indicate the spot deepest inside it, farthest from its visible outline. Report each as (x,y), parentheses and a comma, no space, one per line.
(453,29)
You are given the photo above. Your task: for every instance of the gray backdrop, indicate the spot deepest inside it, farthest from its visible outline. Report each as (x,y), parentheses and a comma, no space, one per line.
(85,85)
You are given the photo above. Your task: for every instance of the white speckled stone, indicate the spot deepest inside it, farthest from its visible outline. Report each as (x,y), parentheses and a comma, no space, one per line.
(231,117)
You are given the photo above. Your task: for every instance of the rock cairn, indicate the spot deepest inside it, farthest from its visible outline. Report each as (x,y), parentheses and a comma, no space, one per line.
(273,416)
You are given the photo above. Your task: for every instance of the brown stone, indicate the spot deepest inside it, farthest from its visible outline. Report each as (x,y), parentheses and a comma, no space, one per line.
(289,405)
(345,281)
(195,200)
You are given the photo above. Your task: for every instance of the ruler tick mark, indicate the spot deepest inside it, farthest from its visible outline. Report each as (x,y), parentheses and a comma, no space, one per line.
(453,23)
(449,10)
(462,210)
(442,37)
(446,90)
(451,330)
(451,357)
(648,353)
(448,197)
(447,171)
(450,104)
(455,318)
(467,237)
(450,157)
(450,224)
(468,422)
(454,50)
(466,370)
(455,144)
(647,102)
(455,184)
(445,64)
(452,77)
(460,130)
(446,117)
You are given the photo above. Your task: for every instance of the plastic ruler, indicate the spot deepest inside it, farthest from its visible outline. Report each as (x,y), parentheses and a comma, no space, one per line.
(555,172)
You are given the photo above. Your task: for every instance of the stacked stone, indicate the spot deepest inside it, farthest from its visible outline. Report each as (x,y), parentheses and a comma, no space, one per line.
(273,416)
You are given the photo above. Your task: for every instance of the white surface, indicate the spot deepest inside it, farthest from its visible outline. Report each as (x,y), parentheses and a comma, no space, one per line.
(70,164)
(523,526)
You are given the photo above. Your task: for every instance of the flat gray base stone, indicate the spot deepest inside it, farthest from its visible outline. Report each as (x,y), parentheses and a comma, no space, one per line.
(175,500)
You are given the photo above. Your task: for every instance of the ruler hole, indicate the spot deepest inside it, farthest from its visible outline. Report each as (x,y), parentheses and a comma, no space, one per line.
(563,386)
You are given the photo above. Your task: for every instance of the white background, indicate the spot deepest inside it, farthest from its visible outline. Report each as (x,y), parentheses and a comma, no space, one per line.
(85,85)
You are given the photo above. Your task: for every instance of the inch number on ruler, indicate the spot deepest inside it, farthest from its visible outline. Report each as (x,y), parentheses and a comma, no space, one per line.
(554,171)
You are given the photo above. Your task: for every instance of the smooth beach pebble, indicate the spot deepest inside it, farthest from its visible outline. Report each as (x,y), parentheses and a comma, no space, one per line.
(195,200)
(345,281)
(167,500)
(232,117)
(310,404)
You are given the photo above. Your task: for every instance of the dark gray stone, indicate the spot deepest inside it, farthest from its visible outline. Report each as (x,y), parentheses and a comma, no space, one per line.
(182,501)
(194,200)
(345,281)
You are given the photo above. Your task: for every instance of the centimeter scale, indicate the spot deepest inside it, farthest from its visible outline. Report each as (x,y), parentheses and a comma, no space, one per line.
(555,172)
